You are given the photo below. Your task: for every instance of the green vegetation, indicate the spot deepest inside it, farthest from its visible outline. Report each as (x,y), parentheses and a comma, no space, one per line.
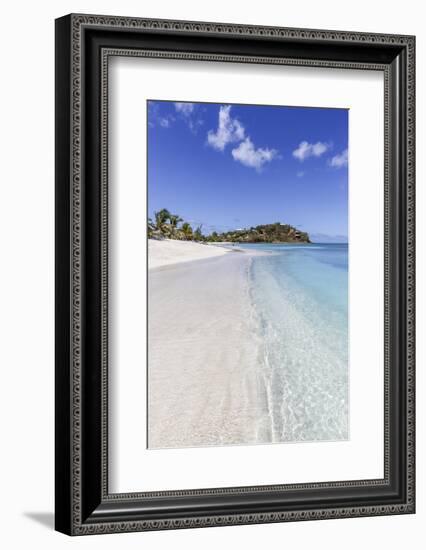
(170,226)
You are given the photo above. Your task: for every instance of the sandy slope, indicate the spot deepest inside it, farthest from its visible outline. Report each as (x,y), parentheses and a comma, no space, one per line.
(167,252)
(204,383)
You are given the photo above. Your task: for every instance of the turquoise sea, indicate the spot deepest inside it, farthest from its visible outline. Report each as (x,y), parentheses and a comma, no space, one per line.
(299,299)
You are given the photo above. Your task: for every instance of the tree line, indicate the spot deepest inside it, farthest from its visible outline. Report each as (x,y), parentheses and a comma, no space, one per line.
(166,225)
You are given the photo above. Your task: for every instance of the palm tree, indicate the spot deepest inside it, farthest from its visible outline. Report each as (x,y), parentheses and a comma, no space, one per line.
(161,218)
(151,227)
(197,233)
(187,231)
(174,220)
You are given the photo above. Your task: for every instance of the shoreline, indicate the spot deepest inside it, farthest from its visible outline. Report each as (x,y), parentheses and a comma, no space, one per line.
(168,253)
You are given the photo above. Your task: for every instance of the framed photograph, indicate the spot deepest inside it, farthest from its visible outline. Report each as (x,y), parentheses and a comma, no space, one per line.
(234,274)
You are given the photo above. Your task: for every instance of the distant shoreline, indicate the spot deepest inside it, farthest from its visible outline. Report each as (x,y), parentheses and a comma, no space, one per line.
(164,224)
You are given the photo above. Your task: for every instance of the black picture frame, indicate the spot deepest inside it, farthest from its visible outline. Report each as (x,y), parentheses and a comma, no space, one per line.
(83,503)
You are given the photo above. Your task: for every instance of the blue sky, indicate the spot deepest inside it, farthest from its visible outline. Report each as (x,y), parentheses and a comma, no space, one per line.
(234,166)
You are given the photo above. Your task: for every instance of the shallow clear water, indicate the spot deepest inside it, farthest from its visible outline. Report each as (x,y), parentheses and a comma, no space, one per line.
(299,296)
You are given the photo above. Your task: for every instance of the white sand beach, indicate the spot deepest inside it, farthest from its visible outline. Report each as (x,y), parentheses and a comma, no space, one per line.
(167,252)
(203,378)
(237,352)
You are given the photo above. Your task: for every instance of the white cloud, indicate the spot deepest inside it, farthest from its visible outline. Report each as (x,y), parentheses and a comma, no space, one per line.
(306,150)
(338,161)
(195,124)
(247,154)
(156,118)
(164,122)
(189,114)
(184,108)
(229,130)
